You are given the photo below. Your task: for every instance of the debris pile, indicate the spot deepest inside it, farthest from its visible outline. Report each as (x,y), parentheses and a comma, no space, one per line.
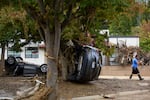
(125,55)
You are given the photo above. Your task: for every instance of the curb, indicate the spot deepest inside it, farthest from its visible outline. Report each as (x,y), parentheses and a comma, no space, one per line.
(111,96)
(94,97)
(123,77)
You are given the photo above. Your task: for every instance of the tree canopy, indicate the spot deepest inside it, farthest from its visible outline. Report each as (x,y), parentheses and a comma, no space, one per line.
(130,17)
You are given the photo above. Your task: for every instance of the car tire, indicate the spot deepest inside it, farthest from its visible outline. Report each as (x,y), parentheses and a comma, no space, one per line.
(97,73)
(88,68)
(44,68)
(10,65)
(11,60)
(84,74)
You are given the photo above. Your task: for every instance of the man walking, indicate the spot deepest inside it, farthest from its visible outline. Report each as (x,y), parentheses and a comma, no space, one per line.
(135,68)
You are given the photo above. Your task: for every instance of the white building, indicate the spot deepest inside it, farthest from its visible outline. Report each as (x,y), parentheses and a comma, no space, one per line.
(127,40)
(122,40)
(104,31)
(32,53)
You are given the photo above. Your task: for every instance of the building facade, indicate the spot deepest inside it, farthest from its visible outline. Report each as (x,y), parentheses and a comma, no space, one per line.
(32,53)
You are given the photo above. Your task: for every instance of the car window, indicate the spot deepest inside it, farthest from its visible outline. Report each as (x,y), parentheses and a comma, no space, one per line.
(31,52)
(13,53)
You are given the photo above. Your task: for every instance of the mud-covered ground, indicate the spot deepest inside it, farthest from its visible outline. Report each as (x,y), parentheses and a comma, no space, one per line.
(100,87)
(68,90)
(10,85)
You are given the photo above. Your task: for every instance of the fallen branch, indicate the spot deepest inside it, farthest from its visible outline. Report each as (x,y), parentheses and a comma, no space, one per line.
(41,94)
(28,92)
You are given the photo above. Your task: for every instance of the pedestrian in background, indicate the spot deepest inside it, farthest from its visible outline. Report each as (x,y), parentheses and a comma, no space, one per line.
(135,69)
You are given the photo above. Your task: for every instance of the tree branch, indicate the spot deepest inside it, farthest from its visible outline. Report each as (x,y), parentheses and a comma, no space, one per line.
(42,23)
(68,15)
(42,6)
(42,34)
(36,16)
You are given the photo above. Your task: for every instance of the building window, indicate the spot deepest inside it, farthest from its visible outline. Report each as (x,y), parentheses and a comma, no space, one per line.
(31,52)
(13,53)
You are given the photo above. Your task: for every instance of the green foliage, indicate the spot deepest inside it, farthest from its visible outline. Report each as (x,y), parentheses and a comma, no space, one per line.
(101,42)
(121,25)
(146,14)
(97,15)
(82,16)
(6,26)
(15,25)
(145,45)
(128,18)
(143,31)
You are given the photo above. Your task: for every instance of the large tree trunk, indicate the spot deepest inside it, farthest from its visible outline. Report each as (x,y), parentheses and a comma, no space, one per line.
(2,64)
(52,49)
(51,37)
(52,66)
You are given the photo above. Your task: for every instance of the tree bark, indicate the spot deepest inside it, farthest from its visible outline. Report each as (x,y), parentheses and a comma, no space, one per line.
(63,62)
(52,73)
(53,51)
(51,38)
(2,67)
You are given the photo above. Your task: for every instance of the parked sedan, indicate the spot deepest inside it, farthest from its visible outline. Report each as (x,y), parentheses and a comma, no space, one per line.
(15,66)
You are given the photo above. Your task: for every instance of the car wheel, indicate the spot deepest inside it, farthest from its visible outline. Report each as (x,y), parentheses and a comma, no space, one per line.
(44,68)
(11,60)
(87,68)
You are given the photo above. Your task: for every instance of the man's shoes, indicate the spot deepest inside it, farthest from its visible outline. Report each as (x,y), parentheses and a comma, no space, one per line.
(130,77)
(141,78)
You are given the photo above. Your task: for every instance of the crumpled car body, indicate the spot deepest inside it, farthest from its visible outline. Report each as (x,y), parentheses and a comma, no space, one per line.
(15,66)
(88,67)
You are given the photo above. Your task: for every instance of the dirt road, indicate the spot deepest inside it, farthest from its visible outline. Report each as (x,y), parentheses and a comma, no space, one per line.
(107,85)
(123,70)
(68,90)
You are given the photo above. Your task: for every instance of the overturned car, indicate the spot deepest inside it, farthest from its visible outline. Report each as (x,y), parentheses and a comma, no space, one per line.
(15,66)
(88,62)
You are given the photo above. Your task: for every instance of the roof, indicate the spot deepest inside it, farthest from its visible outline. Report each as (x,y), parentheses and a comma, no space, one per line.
(123,36)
